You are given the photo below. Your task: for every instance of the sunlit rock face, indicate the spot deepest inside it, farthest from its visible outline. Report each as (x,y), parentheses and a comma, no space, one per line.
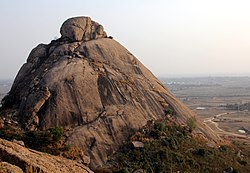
(82,29)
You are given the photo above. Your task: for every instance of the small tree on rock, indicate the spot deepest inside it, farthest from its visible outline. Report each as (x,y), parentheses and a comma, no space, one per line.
(192,123)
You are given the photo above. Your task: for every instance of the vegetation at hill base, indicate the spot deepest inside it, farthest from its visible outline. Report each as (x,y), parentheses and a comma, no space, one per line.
(169,147)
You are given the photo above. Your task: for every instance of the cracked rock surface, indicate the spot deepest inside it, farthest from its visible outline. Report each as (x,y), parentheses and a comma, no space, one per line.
(92,85)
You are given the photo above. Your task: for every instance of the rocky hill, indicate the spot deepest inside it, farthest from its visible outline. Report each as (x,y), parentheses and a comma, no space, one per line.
(90,85)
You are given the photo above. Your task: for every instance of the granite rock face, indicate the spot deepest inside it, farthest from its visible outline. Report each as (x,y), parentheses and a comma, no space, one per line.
(92,85)
(5,167)
(21,159)
(82,29)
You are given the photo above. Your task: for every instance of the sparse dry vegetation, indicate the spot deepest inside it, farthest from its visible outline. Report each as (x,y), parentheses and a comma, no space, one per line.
(191,123)
(173,148)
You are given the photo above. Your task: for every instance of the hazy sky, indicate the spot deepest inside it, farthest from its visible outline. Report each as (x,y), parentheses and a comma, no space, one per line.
(171,37)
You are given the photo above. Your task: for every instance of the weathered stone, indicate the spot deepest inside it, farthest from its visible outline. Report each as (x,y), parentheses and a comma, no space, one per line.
(32,105)
(19,142)
(86,160)
(102,92)
(138,144)
(82,29)
(9,168)
(31,161)
(37,53)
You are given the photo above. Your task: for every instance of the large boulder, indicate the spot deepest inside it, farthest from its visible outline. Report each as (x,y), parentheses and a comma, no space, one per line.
(92,86)
(82,29)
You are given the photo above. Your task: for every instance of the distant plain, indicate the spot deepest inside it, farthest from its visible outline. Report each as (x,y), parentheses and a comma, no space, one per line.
(212,96)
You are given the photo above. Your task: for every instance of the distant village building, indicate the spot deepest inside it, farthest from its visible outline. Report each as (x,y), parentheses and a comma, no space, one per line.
(200,108)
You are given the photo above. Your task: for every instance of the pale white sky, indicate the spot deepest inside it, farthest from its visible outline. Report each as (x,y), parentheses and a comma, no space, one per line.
(171,37)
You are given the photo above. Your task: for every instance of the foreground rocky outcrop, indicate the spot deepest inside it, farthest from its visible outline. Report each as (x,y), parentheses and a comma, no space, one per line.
(92,86)
(21,159)
(5,167)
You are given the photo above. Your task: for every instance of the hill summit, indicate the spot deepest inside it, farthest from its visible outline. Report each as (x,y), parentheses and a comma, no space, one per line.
(92,86)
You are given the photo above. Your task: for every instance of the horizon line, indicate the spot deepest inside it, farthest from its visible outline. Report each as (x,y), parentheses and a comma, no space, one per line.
(203,75)
(180,76)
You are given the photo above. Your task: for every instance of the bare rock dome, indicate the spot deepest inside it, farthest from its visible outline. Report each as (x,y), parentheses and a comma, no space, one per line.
(93,86)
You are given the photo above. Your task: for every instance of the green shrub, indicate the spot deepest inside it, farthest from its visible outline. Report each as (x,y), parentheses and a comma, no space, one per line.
(223,148)
(10,134)
(160,126)
(201,152)
(124,170)
(57,133)
(178,158)
(172,148)
(235,171)
(169,111)
(155,134)
(37,139)
(242,162)
(192,123)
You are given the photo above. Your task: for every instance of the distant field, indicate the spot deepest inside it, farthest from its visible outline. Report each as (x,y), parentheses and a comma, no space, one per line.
(209,86)
(210,91)
(235,122)
(209,96)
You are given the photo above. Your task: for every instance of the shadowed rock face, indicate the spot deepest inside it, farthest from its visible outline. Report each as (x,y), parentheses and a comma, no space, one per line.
(93,85)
